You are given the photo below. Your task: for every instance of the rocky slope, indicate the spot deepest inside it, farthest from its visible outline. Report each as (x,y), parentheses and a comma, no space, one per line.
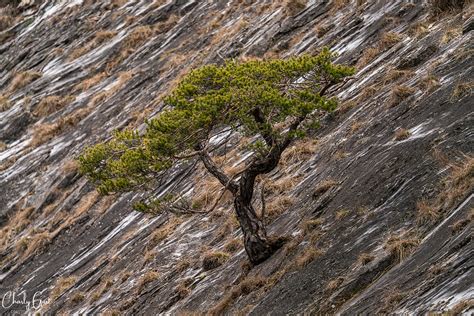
(378,204)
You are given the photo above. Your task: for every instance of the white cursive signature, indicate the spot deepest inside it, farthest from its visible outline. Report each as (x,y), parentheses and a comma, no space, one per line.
(11,298)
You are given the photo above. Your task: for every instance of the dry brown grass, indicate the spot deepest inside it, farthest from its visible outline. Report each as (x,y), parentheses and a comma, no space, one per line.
(400,93)
(355,126)
(334,284)
(212,260)
(402,244)
(367,56)
(300,151)
(206,192)
(365,258)
(163,232)
(461,307)
(389,39)
(428,83)
(277,206)
(341,214)
(246,286)
(460,224)
(77,297)
(137,37)
(233,245)
(90,82)
(165,26)
(3,146)
(308,255)
(44,132)
(5,104)
(340,154)
(401,134)
(339,4)
(5,21)
(418,29)
(394,74)
(426,212)
(182,290)
(462,90)
(281,186)
(293,7)
(390,300)
(450,34)
(441,7)
(51,104)
(62,285)
(183,264)
(311,225)
(103,287)
(459,182)
(226,228)
(22,79)
(368,92)
(129,45)
(324,186)
(36,243)
(386,41)
(146,279)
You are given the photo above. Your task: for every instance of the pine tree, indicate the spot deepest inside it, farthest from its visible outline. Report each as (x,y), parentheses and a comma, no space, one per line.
(276,101)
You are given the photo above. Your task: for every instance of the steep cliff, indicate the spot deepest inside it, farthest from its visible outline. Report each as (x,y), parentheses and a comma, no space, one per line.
(377,204)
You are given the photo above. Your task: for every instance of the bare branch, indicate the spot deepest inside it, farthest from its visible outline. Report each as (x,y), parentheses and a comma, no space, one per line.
(216,171)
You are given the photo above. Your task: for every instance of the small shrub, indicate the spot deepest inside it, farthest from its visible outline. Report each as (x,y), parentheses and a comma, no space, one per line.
(401,134)
(213,260)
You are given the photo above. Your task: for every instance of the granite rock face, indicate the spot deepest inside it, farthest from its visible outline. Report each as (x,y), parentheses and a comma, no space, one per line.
(377,203)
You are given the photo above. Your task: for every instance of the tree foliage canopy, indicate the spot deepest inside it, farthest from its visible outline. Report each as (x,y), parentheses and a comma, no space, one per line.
(273,100)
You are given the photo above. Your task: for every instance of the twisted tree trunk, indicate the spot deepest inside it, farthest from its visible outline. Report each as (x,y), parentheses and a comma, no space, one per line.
(256,242)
